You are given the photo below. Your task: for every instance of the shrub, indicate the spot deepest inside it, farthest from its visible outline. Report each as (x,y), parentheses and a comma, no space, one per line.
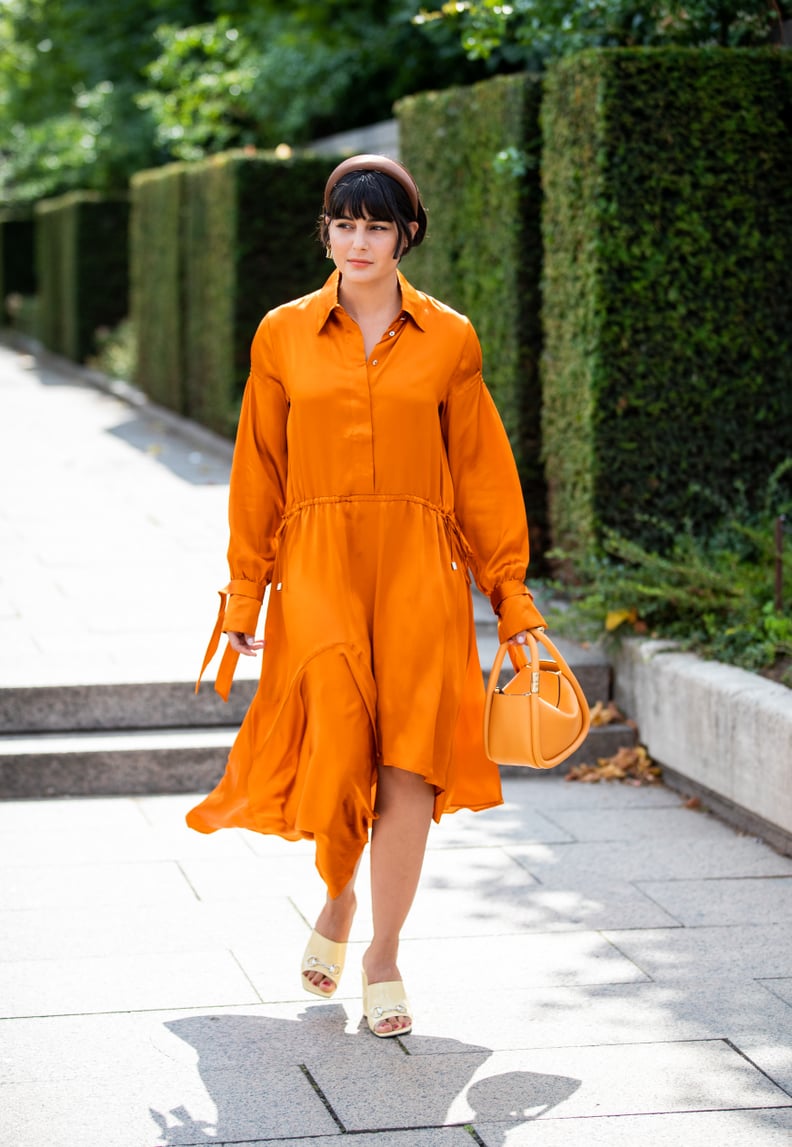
(17,257)
(82,261)
(156,288)
(668,320)
(728,597)
(475,154)
(241,240)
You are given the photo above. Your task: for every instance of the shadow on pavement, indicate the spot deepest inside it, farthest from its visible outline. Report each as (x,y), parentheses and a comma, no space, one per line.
(273,1078)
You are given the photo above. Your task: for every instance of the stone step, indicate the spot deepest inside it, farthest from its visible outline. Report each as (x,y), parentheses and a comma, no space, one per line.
(192,759)
(86,708)
(174,704)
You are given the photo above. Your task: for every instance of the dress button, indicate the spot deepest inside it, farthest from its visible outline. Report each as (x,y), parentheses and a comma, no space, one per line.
(374,361)
(391,333)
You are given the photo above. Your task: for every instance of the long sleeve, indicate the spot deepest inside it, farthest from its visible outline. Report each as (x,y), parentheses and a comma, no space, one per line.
(258,487)
(255,507)
(487,496)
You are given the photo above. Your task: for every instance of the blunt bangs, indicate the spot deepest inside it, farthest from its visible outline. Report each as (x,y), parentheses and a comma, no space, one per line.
(366,194)
(373,195)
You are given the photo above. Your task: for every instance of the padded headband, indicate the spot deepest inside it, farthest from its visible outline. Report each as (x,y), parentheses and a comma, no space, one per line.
(379,163)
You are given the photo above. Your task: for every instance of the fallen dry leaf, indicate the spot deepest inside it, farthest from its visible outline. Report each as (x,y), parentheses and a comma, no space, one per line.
(606,713)
(630,763)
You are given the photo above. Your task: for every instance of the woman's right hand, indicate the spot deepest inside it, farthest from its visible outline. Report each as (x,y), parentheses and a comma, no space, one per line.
(244,643)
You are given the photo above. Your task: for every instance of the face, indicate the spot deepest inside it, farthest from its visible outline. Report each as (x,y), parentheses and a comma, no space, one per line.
(363,249)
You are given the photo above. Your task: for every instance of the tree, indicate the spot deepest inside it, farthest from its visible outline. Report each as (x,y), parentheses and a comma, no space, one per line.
(270,74)
(69,71)
(92,90)
(530,32)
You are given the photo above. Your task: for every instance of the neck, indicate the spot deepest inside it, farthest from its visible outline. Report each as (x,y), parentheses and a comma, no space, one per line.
(360,300)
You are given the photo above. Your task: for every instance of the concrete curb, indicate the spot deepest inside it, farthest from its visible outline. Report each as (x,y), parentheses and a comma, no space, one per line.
(719,732)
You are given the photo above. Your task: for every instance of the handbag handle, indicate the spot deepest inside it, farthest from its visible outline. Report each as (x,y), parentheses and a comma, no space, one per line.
(531,649)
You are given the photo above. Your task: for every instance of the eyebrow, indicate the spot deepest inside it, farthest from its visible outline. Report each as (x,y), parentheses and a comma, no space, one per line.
(367,218)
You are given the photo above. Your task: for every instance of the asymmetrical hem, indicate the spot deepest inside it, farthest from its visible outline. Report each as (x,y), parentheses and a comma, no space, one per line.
(364,492)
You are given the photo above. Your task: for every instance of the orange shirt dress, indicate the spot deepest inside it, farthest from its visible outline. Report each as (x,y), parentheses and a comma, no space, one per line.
(364,492)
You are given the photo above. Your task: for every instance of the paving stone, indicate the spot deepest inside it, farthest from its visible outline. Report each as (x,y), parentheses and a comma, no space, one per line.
(511,1087)
(640,824)
(107,1047)
(38,818)
(550,790)
(656,859)
(505,903)
(702,902)
(540,959)
(503,1017)
(251,876)
(762,1128)
(729,953)
(144,843)
(54,886)
(75,933)
(507,823)
(129,983)
(779,987)
(179,1109)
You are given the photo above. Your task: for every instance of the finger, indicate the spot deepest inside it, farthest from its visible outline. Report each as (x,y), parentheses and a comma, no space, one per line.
(239,643)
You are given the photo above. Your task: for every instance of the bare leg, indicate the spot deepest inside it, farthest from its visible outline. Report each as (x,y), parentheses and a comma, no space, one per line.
(398,842)
(334,923)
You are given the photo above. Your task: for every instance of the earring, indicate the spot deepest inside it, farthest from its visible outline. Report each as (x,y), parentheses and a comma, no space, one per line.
(328,251)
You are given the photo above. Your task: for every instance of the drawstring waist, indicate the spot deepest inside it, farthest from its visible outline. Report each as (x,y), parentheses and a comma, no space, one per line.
(447,516)
(228,663)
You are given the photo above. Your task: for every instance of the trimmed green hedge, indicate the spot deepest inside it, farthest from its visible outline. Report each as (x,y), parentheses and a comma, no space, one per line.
(156,293)
(667,371)
(82,262)
(237,236)
(17,256)
(475,154)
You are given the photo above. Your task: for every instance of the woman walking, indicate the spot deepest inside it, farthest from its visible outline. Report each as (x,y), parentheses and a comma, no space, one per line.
(371,473)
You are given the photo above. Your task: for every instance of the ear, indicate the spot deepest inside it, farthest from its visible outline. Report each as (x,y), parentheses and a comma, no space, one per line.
(413,228)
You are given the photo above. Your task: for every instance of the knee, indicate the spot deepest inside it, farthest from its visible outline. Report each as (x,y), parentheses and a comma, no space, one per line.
(402,786)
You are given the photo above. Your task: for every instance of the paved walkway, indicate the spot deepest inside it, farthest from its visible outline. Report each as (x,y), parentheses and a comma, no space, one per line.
(590,966)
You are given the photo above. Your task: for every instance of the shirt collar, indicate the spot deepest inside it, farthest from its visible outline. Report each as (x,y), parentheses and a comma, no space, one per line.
(413,302)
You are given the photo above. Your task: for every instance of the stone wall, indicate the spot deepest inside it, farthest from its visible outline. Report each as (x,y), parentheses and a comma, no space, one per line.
(719,732)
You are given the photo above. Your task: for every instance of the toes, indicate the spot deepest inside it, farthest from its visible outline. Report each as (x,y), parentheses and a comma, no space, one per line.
(320,981)
(394,1024)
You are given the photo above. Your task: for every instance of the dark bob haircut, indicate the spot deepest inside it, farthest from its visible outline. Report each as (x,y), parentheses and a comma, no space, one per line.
(374,195)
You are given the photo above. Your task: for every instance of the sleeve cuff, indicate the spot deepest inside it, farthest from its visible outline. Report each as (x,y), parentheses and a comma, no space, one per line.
(240,603)
(516,613)
(241,615)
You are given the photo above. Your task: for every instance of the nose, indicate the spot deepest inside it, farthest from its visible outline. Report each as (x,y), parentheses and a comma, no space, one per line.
(360,239)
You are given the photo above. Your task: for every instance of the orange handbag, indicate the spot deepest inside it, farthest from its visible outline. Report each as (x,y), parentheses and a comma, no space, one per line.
(541,716)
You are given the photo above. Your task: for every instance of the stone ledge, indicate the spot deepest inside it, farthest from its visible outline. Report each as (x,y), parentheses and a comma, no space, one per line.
(723,730)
